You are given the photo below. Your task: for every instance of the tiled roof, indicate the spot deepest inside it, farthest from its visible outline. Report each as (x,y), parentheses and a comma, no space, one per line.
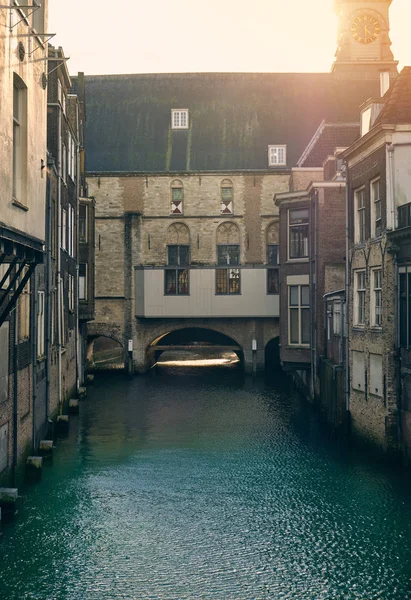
(397,107)
(234,117)
(328,137)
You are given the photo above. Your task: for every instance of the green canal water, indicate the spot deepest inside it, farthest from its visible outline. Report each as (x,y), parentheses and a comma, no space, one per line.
(194,484)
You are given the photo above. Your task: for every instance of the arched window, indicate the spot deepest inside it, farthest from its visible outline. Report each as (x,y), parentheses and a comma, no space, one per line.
(272,237)
(177,274)
(227,197)
(228,255)
(177,197)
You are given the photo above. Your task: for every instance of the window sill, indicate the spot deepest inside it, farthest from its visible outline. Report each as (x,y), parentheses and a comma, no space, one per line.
(296,346)
(303,259)
(18,204)
(41,358)
(359,328)
(175,295)
(228,294)
(376,328)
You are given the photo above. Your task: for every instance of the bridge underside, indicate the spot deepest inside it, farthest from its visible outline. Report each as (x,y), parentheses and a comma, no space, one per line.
(246,337)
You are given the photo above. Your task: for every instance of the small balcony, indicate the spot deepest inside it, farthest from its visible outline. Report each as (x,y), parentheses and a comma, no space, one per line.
(201,292)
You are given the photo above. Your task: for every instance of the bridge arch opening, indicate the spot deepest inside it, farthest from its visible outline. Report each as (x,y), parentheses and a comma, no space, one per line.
(104,354)
(272,356)
(195,346)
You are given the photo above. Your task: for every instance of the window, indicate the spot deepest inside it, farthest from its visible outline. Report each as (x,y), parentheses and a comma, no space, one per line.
(405,306)
(82,224)
(176,280)
(376,298)
(63,242)
(337,317)
(23,314)
(63,162)
(272,274)
(227,207)
(82,281)
(40,324)
(404,215)
(376,208)
(38,16)
(298,233)
(359,298)
(299,314)
(71,293)
(177,198)
(179,118)
(359,229)
(228,280)
(19,139)
(277,156)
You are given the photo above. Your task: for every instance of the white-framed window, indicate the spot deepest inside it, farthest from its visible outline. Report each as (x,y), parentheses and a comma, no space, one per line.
(71,230)
(71,293)
(405,306)
(40,324)
(63,241)
(82,223)
(359,227)
(179,118)
(299,315)
(337,317)
(23,312)
(376,297)
(61,96)
(19,139)
(359,297)
(298,224)
(277,156)
(177,197)
(227,206)
(63,162)
(82,281)
(376,227)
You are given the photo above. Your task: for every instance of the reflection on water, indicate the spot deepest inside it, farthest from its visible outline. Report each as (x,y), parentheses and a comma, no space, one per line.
(197,484)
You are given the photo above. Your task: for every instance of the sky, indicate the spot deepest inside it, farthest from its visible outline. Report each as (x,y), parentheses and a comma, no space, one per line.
(107,37)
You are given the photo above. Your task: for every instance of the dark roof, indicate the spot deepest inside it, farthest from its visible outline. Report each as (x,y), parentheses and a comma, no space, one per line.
(233,118)
(397,101)
(326,139)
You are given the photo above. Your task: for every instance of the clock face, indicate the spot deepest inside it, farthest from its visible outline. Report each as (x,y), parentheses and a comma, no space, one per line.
(365,29)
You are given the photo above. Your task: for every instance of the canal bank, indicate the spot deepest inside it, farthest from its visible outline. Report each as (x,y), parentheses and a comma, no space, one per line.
(194,483)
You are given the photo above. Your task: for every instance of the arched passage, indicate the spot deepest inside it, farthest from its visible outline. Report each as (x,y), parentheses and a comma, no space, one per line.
(194,343)
(272,355)
(104,353)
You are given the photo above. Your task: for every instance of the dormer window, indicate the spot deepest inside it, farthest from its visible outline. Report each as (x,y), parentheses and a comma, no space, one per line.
(277,156)
(179,118)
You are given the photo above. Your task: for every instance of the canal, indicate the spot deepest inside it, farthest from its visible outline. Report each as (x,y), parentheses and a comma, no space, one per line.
(192,483)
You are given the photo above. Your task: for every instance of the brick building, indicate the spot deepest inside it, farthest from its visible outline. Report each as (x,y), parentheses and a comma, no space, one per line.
(23,158)
(379,188)
(183,169)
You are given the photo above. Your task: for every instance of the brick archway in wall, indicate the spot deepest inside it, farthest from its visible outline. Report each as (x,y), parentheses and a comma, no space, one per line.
(241,331)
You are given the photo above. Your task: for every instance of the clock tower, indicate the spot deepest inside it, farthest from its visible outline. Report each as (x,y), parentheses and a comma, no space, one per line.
(364,45)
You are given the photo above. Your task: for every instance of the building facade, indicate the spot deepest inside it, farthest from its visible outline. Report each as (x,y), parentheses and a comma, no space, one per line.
(378,197)
(23,159)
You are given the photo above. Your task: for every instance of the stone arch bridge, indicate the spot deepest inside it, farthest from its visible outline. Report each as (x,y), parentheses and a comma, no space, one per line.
(249,338)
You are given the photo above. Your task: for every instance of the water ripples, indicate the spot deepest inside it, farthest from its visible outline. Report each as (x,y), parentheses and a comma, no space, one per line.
(175,489)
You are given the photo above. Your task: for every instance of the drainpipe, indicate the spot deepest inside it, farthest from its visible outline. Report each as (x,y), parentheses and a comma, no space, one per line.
(347,297)
(313,285)
(15,393)
(77,250)
(58,274)
(48,307)
(33,333)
